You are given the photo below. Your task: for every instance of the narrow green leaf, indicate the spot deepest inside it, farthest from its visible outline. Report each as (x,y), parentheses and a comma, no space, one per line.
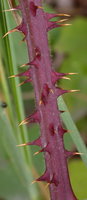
(15,155)
(75,135)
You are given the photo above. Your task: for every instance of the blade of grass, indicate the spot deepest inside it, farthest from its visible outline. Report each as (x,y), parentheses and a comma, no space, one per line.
(6,92)
(15,156)
(75,135)
(12,65)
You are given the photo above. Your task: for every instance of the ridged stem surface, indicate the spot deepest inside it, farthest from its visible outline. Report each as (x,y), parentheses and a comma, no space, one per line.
(35,27)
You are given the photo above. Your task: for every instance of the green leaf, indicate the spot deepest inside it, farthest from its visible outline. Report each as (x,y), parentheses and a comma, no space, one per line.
(75,135)
(78,176)
(15,156)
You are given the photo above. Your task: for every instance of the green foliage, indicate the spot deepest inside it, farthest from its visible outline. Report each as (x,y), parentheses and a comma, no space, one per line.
(78,173)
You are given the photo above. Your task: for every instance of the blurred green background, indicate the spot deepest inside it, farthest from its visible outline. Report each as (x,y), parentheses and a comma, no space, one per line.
(18,166)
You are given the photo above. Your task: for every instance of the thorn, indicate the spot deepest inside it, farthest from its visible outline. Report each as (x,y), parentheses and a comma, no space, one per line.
(52,25)
(60,91)
(33,118)
(73,90)
(27,73)
(36,142)
(77,153)
(62,20)
(57,76)
(65,24)
(70,154)
(21,145)
(45,149)
(45,177)
(24,65)
(36,153)
(65,15)
(67,78)
(52,15)
(72,73)
(35,181)
(11,31)
(24,122)
(22,83)
(33,62)
(12,9)
(12,76)
(26,81)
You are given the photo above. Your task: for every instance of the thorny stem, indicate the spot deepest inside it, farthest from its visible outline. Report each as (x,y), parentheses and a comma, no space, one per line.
(35,25)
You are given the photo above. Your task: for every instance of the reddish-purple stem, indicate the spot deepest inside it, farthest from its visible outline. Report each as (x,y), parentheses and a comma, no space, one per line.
(35,25)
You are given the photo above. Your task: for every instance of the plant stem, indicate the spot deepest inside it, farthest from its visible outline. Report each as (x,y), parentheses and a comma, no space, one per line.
(35,27)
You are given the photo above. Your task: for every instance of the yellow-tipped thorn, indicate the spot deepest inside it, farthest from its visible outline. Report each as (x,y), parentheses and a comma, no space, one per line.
(23,122)
(62,20)
(74,90)
(21,145)
(24,65)
(67,78)
(65,15)
(77,153)
(36,153)
(72,73)
(20,84)
(33,182)
(66,24)
(12,76)
(8,10)
(12,31)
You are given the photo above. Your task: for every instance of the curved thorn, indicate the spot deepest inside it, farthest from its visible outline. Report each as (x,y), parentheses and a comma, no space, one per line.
(62,20)
(11,31)
(24,122)
(24,65)
(65,15)
(20,84)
